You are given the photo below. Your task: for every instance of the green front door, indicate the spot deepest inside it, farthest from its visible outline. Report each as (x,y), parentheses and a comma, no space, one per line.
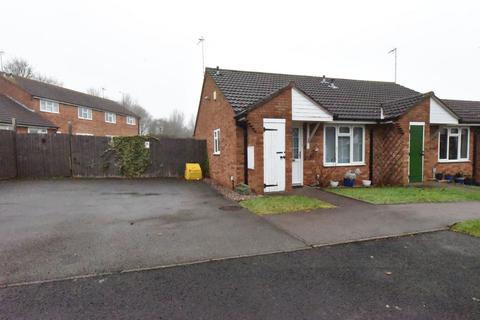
(416,153)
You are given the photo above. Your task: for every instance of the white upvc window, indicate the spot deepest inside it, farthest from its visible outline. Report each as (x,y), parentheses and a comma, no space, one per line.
(37,130)
(49,106)
(344,145)
(131,120)
(453,144)
(216,141)
(84,113)
(110,117)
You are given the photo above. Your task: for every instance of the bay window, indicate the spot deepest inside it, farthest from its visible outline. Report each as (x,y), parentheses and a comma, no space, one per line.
(453,144)
(344,145)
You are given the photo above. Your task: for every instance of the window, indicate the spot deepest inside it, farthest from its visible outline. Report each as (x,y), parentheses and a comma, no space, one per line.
(110,117)
(84,113)
(5,127)
(37,130)
(49,106)
(131,120)
(216,141)
(344,145)
(453,144)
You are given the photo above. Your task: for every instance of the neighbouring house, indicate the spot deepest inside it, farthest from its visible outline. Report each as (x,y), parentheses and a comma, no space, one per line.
(276,131)
(59,107)
(27,120)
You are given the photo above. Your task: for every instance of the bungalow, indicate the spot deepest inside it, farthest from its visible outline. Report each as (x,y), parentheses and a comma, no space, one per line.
(58,106)
(276,131)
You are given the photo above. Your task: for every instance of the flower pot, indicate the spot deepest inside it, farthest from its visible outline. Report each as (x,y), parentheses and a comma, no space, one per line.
(448,177)
(333,184)
(349,182)
(460,180)
(469,182)
(439,176)
(367,183)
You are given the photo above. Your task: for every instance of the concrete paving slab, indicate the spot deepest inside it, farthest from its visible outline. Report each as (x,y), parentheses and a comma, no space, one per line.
(56,229)
(355,220)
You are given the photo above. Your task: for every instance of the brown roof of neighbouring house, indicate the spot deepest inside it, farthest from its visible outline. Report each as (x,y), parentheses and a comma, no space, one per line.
(49,91)
(346,99)
(10,108)
(468,111)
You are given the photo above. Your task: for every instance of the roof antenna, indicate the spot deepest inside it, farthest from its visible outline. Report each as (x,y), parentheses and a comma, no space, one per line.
(201,41)
(332,84)
(324,80)
(394,50)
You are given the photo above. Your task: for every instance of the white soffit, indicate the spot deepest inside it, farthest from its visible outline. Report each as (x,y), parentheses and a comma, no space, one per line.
(305,109)
(440,115)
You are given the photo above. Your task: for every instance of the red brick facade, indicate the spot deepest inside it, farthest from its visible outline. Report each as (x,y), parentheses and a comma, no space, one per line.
(97,126)
(390,144)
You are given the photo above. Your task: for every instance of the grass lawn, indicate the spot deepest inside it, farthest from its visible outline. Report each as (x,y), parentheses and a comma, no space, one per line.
(395,195)
(283,204)
(471,227)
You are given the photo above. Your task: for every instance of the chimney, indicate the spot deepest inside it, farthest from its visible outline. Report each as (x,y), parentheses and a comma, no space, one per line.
(332,84)
(324,80)
(217,73)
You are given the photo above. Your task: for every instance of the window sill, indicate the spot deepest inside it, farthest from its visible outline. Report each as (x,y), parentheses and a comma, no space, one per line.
(85,119)
(454,161)
(216,154)
(359,164)
(49,111)
(110,122)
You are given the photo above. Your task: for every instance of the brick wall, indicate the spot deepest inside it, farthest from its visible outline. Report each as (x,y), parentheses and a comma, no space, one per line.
(279,107)
(218,114)
(313,161)
(96,126)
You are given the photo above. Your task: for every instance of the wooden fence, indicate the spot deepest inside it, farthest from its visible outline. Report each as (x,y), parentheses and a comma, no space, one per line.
(63,155)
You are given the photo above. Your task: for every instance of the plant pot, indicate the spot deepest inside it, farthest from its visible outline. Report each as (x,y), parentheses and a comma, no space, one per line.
(469,182)
(448,177)
(460,180)
(439,176)
(333,184)
(367,183)
(348,183)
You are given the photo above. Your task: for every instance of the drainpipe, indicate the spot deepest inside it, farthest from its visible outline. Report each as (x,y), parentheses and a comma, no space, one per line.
(370,176)
(475,155)
(245,151)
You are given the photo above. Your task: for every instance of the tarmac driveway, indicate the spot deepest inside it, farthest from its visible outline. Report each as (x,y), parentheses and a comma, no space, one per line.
(57,229)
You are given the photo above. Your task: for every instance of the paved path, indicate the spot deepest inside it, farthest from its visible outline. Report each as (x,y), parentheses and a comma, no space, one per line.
(355,220)
(433,276)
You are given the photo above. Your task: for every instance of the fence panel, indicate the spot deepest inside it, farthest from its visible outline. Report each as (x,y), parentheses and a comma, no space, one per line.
(169,155)
(40,155)
(7,155)
(61,155)
(91,157)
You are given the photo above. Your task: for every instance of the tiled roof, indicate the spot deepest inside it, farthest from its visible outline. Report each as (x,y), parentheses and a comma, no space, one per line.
(395,108)
(11,109)
(60,94)
(468,111)
(350,100)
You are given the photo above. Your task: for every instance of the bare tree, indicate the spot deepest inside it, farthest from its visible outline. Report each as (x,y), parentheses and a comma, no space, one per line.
(20,67)
(94,92)
(145,118)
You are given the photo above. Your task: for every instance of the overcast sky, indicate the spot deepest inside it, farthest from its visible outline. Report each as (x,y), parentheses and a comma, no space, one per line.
(149,48)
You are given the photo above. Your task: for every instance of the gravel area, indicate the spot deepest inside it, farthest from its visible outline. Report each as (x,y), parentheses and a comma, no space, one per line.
(229,193)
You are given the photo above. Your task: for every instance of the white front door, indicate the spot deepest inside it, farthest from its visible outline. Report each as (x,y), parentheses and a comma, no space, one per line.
(297,155)
(274,155)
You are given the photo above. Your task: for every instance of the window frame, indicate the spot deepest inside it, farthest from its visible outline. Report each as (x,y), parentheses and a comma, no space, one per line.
(89,111)
(54,106)
(216,141)
(114,117)
(459,151)
(337,135)
(133,122)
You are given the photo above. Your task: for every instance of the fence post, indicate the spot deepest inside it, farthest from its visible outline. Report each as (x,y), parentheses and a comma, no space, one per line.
(70,156)
(15,153)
